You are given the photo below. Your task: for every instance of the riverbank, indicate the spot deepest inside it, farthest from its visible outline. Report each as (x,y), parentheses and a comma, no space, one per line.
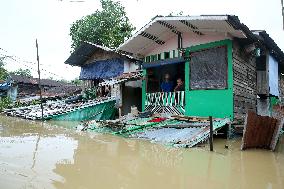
(35,155)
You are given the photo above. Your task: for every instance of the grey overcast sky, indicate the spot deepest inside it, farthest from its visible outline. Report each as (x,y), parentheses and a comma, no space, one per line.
(22,21)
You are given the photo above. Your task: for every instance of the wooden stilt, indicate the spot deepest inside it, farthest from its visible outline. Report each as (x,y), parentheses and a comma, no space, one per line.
(211,133)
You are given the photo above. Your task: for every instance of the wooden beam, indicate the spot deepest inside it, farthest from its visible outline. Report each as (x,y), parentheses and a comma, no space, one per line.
(169,26)
(193,28)
(152,37)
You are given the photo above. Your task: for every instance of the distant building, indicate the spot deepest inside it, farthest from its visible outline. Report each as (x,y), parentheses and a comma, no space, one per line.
(8,89)
(28,86)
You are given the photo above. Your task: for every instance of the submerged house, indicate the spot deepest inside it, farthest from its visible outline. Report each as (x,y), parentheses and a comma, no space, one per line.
(8,89)
(101,65)
(226,68)
(28,86)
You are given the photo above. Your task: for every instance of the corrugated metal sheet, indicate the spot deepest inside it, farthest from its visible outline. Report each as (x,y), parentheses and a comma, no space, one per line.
(125,77)
(52,109)
(85,52)
(81,54)
(34,81)
(159,131)
(261,131)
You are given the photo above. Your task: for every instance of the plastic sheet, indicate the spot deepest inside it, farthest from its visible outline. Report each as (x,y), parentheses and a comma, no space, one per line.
(273,76)
(103,69)
(208,69)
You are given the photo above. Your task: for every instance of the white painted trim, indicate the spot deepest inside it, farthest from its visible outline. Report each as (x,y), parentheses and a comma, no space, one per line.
(191,18)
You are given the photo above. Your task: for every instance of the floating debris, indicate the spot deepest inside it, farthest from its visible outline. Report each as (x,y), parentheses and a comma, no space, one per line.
(61,110)
(130,76)
(166,130)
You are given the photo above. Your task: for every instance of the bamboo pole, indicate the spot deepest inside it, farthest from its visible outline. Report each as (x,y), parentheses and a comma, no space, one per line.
(39,83)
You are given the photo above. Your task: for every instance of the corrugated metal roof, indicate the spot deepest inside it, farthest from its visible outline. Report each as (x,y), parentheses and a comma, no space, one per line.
(273,48)
(161,29)
(85,52)
(31,80)
(125,77)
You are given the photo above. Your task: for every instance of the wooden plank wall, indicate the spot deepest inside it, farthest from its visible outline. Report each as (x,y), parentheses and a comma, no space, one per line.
(262,83)
(244,86)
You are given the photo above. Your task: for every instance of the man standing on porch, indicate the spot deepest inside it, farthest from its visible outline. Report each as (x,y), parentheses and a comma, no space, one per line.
(180,85)
(167,85)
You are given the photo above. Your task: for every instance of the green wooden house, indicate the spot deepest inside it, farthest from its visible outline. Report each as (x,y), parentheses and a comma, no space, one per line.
(218,59)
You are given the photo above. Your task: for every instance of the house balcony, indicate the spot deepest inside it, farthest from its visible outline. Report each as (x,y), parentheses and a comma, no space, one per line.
(166,102)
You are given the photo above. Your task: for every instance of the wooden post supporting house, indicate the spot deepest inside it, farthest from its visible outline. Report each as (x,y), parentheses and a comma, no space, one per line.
(211,133)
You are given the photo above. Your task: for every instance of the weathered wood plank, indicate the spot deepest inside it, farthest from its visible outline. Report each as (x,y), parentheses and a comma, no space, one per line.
(262,83)
(244,81)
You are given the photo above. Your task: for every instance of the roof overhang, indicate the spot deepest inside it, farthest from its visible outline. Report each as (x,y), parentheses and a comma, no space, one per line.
(83,53)
(161,29)
(86,50)
(271,46)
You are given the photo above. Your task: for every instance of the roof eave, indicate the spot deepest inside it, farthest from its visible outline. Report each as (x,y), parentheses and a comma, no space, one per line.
(230,19)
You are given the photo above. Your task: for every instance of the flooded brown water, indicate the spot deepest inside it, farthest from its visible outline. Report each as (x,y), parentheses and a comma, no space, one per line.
(35,155)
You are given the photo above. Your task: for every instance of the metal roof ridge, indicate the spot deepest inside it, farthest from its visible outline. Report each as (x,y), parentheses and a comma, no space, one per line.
(199,17)
(101,46)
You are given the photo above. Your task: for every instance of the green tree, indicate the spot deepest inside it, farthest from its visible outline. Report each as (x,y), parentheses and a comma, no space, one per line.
(108,27)
(23,72)
(3,71)
(76,81)
(63,81)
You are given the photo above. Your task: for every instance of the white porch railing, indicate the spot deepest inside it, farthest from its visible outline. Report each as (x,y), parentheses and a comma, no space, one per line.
(169,100)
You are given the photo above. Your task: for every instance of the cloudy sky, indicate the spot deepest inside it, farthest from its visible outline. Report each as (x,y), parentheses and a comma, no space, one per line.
(22,21)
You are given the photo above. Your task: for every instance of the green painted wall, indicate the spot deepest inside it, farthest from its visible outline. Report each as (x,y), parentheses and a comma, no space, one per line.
(216,103)
(101,111)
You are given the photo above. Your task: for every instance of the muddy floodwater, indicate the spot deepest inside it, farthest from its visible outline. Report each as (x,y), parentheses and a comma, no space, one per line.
(36,155)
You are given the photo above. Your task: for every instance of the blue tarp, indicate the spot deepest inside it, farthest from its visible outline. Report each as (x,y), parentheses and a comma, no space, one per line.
(103,69)
(5,86)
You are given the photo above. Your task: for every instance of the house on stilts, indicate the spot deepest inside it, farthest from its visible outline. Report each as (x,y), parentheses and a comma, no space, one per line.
(111,73)
(227,69)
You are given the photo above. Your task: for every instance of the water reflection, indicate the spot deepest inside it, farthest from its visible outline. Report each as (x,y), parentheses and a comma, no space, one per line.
(36,156)
(29,153)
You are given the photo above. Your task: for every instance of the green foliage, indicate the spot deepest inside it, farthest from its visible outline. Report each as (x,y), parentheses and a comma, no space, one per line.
(90,94)
(63,81)
(108,27)
(3,71)
(77,81)
(23,72)
(5,102)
